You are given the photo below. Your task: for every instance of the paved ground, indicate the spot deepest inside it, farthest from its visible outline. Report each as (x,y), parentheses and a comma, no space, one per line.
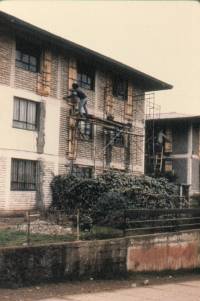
(160,287)
(179,291)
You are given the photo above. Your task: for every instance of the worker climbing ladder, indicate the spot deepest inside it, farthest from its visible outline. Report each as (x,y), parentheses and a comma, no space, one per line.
(158,161)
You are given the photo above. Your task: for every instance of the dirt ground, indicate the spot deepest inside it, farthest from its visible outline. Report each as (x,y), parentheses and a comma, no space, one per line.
(89,286)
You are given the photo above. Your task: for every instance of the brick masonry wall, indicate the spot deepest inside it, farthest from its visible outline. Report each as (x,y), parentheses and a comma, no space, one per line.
(3,168)
(46,173)
(22,200)
(5,56)
(54,75)
(99,259)
(64,75)
(28,81)
(86,148)
(25,79)
(48,176)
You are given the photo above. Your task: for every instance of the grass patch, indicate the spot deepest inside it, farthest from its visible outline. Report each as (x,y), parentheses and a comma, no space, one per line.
(10,237)
(101,233)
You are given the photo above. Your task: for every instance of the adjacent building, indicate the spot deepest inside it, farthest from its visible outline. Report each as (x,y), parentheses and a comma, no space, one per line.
(40,135)
(180,149)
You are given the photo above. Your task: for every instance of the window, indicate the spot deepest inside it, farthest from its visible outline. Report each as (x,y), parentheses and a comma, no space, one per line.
(85,129)
(118,138)
(23,174)
(25,114)
(120,88)
(86,77)
(82,172)
(27,56)
(168,165)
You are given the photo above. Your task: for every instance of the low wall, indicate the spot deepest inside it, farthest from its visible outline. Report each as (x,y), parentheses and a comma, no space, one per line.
(73,260)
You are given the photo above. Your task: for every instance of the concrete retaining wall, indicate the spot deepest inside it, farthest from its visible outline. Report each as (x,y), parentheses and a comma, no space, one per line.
(24,265)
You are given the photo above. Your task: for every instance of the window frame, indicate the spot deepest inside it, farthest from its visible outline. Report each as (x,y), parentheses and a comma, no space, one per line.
(77,170)
(86,76)
(26,122)
(29,50)
(116,88)
(83,135)
(26,165)
(119,142)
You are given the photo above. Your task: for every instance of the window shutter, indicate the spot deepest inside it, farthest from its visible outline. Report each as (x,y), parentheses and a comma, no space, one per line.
(72,76)
(128,105)
(108,97)
(168,144)
(168,165)
(44,78)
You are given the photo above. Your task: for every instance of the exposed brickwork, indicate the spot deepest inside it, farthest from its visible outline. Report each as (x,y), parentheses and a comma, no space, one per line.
(25,79)
(137,147)
(54,75)
(22,200)
(46,176)
(101,91)
(86,148)
(64,75)
(3,170)
(88,152)
(5,57)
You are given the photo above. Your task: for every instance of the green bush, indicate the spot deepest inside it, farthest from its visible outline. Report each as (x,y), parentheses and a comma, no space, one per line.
(104,198)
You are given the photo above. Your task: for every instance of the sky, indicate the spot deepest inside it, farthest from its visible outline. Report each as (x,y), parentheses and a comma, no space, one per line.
(160,38)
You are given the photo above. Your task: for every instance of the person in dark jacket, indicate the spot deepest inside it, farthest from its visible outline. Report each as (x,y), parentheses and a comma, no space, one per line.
(76,92)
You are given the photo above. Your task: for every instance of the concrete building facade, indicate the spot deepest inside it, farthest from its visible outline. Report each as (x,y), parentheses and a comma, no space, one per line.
(181,155)
(40,137)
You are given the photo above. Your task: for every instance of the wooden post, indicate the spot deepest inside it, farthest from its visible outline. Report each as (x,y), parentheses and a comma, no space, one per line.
(78,224)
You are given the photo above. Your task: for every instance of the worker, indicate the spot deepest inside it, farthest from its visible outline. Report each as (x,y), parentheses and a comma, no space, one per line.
(79,95)
(161,137)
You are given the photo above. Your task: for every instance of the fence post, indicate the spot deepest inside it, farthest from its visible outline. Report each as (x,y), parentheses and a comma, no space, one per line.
(28,227)
(78,224)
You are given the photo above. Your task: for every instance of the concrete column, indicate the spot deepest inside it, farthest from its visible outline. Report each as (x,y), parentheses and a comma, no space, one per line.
(189,160)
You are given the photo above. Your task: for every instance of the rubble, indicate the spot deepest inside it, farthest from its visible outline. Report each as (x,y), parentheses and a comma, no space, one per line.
(44,227)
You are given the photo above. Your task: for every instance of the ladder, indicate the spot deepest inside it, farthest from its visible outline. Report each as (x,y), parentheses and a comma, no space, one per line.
(158,161)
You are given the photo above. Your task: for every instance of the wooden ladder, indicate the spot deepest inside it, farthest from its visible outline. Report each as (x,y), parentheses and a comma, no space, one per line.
(158,161)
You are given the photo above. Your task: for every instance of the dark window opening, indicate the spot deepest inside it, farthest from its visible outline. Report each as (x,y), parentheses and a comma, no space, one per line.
(120,88)
(25,114)
(86,76)
(118,138)
(27,56)
(85,129)
(23,175)
(82,171)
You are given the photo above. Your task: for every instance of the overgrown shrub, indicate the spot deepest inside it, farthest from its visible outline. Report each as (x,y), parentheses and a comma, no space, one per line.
(109,209)
(104,198)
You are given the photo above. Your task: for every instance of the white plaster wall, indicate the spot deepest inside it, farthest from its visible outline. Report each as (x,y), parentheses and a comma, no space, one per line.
(24,140)
(19,143)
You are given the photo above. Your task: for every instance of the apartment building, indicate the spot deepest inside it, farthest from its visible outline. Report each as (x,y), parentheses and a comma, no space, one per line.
(180,150)
(40,135)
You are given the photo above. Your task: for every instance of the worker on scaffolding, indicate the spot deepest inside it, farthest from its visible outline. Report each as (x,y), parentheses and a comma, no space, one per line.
(160,139)
(78,96)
